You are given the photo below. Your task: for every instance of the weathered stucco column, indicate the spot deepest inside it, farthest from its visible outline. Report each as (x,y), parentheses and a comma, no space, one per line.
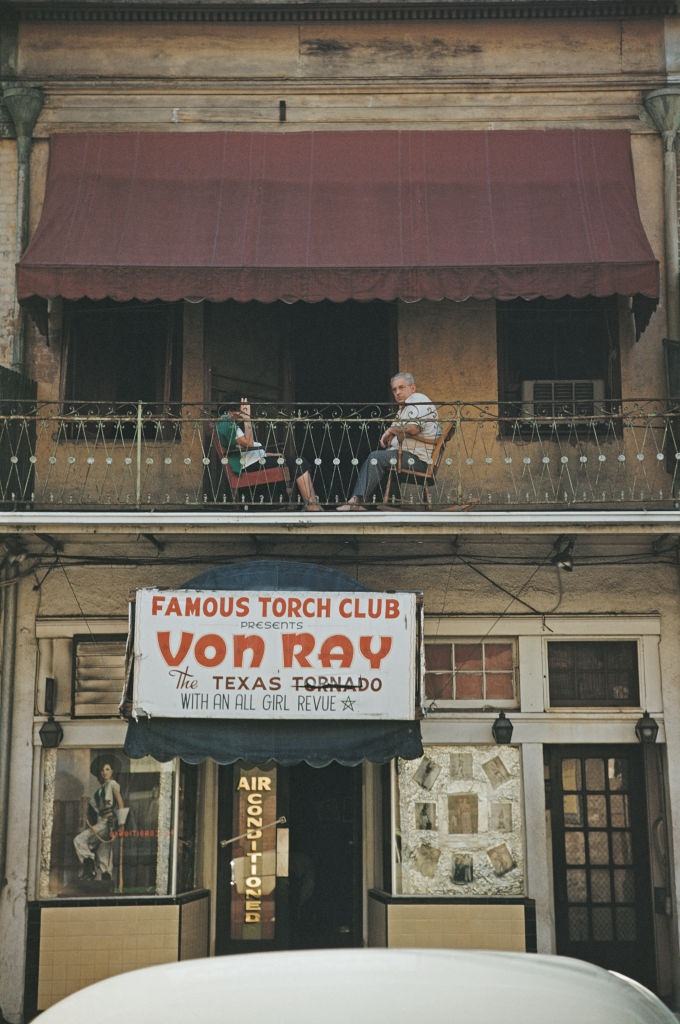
(24,104)
(663,106)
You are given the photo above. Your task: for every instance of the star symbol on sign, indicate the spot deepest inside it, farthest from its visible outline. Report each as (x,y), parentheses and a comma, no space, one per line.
(348,704)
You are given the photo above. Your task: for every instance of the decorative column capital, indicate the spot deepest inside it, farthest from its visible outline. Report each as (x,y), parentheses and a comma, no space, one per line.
(663,107)
(23,104)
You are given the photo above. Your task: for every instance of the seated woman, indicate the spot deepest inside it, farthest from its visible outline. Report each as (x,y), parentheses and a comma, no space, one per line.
(246,455)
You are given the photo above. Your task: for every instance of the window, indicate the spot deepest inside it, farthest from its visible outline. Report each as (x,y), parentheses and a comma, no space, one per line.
(107,824)
(122,352)
(473,672)
(593,673)
(459,824)
(558,358)
(98,675)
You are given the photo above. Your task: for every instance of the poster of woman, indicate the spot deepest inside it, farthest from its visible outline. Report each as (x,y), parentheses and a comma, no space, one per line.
(107,824)
(106,814)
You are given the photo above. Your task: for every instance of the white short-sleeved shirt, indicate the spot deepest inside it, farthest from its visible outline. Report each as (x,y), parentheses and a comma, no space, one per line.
(418,407)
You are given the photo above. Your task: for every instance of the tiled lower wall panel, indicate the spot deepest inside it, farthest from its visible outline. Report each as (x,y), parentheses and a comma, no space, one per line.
(81,945)
(462,926)
(194,929)
(377,923)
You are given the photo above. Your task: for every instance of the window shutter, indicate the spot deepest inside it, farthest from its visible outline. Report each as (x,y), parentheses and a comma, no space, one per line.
(99,676)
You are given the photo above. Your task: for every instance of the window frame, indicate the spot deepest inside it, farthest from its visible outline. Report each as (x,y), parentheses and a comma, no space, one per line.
(473,704)
(610,705)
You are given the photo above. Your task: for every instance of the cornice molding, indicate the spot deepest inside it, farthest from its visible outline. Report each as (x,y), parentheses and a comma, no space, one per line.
(328,11)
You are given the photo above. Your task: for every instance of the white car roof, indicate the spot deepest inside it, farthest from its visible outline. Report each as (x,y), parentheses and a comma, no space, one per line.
(365,986)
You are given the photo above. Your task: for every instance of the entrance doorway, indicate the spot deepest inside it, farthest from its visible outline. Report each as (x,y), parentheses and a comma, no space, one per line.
(316,374)
(303,889)
(342,352)
(325,857)
(603,899)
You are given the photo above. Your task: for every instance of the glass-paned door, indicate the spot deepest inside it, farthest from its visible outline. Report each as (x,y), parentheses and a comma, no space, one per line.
(600,850)
(290,856)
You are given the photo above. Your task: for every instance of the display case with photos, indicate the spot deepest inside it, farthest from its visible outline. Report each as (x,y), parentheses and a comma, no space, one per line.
(458,823)
(116,826)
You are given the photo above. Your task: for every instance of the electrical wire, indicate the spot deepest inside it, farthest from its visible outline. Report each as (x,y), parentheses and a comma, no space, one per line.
(97,643)
(31,564)
(499,586)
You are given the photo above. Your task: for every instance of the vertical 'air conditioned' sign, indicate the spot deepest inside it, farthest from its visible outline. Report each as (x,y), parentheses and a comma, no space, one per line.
(253,654)
(253,868)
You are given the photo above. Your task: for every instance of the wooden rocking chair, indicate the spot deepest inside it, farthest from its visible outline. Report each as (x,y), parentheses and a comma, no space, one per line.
(425,478)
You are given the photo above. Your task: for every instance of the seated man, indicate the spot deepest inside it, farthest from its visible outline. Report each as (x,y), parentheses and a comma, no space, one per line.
(246,455)
(414,430)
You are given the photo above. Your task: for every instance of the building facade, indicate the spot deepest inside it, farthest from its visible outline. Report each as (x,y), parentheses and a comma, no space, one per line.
(208,204)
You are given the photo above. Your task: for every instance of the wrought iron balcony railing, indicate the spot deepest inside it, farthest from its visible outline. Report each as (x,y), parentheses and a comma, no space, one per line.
(94,456)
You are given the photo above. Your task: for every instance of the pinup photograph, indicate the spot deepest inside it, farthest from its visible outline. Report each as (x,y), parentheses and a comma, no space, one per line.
(427,773)
(106,824)
(462,869)
(463,813)
(496,772)
(426,816)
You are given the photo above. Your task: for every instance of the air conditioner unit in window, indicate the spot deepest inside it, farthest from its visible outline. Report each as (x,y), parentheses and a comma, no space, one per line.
(562,398)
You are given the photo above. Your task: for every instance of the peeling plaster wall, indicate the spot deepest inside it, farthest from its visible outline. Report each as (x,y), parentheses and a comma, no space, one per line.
(217,51)
(450,348)
(23,806)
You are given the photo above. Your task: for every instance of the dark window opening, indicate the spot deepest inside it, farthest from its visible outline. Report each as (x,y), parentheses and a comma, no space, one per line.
(558,358)
(593,673)
(121,353)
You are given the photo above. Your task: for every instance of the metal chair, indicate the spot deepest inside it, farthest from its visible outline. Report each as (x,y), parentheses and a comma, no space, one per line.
(425,478)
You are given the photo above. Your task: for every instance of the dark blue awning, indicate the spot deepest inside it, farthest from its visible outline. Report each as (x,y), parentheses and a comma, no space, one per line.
(316,743)
(286,742)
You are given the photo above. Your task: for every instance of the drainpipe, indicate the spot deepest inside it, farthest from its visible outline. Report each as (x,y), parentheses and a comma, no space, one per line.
(23,104)
(9,619)
(663,107)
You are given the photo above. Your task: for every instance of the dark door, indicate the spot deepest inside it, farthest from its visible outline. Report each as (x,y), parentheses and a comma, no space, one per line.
(342,351)
(293,883)
(342,355)
(602,883)
(325,857)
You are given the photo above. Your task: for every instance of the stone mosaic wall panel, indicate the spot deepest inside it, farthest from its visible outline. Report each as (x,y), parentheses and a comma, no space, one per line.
(459,823)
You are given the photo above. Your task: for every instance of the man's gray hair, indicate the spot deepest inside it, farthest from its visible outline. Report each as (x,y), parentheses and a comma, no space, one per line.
(407,377)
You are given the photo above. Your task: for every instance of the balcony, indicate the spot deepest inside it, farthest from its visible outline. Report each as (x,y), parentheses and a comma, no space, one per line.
(623,454)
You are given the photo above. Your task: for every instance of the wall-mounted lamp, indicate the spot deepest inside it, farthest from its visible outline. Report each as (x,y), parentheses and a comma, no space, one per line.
(562,554)
(51,733)
(501,729)
(647,728)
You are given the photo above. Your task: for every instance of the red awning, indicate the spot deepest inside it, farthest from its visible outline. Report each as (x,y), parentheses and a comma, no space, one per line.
(340,215)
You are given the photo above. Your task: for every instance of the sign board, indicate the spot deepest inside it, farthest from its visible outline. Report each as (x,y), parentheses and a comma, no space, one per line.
(268,655)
